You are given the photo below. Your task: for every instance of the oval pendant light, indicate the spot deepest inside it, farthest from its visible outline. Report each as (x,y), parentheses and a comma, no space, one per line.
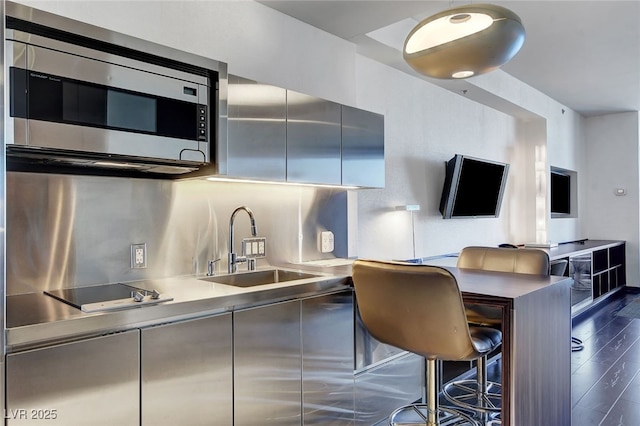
(464,41)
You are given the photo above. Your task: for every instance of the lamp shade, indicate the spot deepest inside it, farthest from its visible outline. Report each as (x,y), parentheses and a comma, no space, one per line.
(464,41)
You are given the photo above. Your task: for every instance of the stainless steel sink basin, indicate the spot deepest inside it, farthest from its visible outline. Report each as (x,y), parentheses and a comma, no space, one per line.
(254,278)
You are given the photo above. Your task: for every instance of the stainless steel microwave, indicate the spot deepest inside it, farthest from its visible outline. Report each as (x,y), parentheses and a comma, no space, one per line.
(83,102)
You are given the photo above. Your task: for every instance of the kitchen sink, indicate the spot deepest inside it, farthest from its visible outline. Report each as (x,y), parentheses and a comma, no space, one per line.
(254,278)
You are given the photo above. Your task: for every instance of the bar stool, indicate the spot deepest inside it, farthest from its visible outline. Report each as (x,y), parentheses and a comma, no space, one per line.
(481,394)
(419,309)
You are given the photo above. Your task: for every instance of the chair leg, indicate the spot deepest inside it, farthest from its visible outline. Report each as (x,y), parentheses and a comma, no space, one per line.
(431,413)
(432,393)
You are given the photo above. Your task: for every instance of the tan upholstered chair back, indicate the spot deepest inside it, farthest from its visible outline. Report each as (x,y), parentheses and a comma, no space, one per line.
(520,261)
(414,307)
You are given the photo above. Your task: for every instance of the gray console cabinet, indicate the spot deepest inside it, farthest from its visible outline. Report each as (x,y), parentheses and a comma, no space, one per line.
(93,381)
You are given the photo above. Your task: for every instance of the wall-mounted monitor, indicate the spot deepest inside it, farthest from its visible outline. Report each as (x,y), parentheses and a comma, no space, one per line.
(473,187)
(563,184)
(560,193)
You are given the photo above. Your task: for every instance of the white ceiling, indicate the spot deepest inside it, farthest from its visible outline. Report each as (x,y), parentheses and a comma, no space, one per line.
(583,53)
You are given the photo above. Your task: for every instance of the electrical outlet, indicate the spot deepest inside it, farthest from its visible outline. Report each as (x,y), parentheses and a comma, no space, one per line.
(326,241)
(138,256)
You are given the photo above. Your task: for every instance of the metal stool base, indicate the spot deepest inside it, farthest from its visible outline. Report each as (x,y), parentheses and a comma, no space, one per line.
(576,344)
(467,394)
(418,414)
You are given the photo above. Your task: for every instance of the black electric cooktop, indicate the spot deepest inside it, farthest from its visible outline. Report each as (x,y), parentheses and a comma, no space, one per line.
(79,296)
(105,297)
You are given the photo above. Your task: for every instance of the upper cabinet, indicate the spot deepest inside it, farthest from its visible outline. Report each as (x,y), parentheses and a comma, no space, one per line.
(257,130)
(313,140)
(280,135)
(362,148)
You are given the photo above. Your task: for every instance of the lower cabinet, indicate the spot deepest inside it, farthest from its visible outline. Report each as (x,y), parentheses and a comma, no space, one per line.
(267,365)
(179,373)
(186,373)
(288,363)
(328,360)
(89,382)
(293,362)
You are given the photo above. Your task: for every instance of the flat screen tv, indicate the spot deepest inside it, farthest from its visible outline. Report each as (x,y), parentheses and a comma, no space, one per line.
(473,187)
(560,193)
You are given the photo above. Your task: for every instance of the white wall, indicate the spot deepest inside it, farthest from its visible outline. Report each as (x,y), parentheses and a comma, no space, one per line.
(425,125)
(256,41)
(557,132)
(567,149)
(613,156)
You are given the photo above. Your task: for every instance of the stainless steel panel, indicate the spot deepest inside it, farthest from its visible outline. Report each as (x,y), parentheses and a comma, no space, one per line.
(267,365)
(76,27)
(381,390)
(327,360)
(257,130)
(109,74)
(313,140)
(369,351)
(71,231)
(187,373)
(39,46)
(362,148)
(3,260)
(92,139)
(94,381)
(15,129)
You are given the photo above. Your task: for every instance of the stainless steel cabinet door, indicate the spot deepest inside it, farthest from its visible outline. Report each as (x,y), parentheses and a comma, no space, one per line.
(267,365)
(257,131)
(187,373)
(362,148)
(327,360)
(90,382)
(313,140)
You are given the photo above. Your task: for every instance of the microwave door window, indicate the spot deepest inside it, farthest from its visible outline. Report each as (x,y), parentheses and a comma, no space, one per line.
(83,104)
(131,112)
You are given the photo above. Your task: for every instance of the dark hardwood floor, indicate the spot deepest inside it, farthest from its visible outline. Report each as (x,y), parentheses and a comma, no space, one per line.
(605,375)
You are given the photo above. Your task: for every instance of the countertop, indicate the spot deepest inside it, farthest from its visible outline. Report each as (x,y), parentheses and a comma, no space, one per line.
(581,247)
(35,319)
(563,250)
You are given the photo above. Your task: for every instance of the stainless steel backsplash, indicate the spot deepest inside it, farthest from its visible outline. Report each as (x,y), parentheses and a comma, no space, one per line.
(73,231)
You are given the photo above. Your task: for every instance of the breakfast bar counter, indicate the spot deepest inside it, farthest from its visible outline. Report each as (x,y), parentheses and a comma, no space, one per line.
(536,351)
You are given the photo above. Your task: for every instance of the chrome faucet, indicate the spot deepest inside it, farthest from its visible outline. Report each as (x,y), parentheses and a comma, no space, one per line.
(234,259)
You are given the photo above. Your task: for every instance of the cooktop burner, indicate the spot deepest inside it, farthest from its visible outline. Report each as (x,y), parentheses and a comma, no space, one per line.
(106,297)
